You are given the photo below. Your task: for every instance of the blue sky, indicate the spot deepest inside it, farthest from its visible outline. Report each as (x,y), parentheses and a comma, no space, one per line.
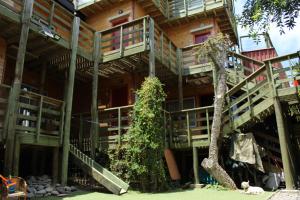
(285,43)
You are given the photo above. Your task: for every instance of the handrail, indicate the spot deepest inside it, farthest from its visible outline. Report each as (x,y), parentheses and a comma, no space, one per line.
(123,24)
(243,57)
(45,97)
(282,58)
(243,82)
(192,109)
(116,108)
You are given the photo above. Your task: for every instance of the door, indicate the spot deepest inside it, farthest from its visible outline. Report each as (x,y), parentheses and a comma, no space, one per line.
(116,35)
(119,97)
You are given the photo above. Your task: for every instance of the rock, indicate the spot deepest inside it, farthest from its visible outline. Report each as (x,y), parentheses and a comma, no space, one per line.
(73,188)
(49,189)
(57,185)
(41,192)
(61,190)
(40,187)
(67,188)
(54,192)
(30,195)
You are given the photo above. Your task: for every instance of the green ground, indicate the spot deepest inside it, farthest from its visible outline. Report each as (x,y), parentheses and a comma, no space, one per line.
(196,194)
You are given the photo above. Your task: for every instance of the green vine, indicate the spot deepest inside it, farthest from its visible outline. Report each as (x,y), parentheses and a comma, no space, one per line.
(141,158)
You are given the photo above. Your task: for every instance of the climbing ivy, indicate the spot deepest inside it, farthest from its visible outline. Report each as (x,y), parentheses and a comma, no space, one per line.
(141,158)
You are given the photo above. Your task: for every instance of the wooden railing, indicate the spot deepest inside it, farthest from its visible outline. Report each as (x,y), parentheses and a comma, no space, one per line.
(190,58)
(183,8)
(40,115)
(133,37)
(124,40)
(165,49)
(114,123)
(13,5)
(59,21)
(285,72)
(191,127)
(163,6)
(4,95)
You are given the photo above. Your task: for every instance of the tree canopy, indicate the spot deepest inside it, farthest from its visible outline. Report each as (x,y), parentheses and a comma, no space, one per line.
(259,14)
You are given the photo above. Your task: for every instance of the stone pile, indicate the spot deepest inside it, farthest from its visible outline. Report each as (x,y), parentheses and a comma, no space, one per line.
(42,187)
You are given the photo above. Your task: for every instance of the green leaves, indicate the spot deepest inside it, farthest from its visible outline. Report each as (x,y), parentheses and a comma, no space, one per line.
(142,156)
(258,14)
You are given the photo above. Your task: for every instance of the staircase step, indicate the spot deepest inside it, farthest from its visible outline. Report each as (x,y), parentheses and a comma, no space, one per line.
(99,173)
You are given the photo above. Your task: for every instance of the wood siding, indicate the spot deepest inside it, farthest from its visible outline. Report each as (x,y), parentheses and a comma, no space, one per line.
(182,35)
(3,49)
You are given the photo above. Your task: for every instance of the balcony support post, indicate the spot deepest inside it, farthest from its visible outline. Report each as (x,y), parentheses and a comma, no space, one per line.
(16,89)
(284,141)
(179,66)
(196,166)
(94,106)
(152,48)
(69,99)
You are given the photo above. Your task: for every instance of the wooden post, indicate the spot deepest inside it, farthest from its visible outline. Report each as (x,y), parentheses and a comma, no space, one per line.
(94,106)
(208,124)
(69,99)
(16,87)
(152,48)
(284,146)
(80,135)
(179,65)
(43,77)
(119,126)
(16,157)
(55,162)
(196,165)
(39,119)
(188,129)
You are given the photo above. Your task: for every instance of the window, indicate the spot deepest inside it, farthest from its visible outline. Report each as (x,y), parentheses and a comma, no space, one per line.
(194,4)
(199,38)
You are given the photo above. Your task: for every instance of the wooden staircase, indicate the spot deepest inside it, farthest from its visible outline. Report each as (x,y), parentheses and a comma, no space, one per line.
(99,173)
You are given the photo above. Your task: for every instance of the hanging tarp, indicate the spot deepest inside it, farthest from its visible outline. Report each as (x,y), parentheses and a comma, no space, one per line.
(245,149)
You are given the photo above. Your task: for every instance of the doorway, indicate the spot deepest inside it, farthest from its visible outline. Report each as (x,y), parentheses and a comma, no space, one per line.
(119,96)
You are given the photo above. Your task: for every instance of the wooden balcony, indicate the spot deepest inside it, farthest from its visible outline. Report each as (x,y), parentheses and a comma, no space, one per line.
(191,127)
(122,46)
(39,119)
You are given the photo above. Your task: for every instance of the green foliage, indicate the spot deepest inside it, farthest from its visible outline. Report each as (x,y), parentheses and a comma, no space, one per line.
(141,158)
(214,49)
(259,14)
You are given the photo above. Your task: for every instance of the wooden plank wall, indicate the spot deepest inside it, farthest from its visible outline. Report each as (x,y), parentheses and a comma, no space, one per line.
(102,20)
(181,34)
(3,49)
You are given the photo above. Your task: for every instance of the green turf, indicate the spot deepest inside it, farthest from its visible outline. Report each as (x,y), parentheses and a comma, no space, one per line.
(197,194)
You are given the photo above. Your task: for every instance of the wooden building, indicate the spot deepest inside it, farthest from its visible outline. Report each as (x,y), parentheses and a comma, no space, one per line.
(71,77)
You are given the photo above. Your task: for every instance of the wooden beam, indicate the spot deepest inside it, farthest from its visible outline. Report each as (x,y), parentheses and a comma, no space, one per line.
(55,164)
(196,165)
(179,65)
(152,48)
(16,88)
(284,146)
(94,105)
(69,99)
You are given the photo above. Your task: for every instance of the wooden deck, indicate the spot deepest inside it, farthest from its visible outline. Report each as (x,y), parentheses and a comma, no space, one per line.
(40,118)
